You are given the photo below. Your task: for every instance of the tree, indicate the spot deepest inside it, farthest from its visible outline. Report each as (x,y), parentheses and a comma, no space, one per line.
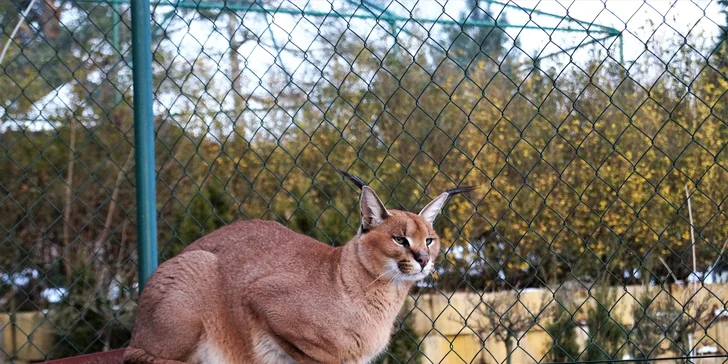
(663,321)
(562,327)
(46,14)
(647,335)
(502,317)
(564,347)
(607,337)
(724,33)
(464,44)
(205,212)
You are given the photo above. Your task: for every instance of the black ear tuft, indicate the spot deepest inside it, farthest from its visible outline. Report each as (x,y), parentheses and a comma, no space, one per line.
(355,179)
(459,190)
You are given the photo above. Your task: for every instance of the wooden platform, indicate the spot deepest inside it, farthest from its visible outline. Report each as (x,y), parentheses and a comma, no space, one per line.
(107,357)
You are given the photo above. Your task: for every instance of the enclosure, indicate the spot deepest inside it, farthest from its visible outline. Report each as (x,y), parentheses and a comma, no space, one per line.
(596,132)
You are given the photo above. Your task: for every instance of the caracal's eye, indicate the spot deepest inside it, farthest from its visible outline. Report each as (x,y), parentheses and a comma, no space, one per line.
(429,241)
(401,241)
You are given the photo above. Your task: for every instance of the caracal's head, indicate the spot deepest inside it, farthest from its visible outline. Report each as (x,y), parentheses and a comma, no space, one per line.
(398,245)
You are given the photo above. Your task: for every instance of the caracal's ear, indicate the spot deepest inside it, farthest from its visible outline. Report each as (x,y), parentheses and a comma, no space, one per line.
(430,212)
(373,211)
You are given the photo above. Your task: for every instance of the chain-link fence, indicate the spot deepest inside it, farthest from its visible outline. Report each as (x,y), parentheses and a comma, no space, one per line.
(596,130)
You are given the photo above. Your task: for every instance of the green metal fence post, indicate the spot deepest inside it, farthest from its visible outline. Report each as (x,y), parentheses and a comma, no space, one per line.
(141,47)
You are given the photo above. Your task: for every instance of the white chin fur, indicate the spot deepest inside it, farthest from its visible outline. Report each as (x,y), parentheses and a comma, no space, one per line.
(419,275)
(413,277)
(396,275)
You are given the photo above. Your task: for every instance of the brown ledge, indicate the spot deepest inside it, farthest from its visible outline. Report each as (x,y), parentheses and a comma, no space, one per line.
(107,357)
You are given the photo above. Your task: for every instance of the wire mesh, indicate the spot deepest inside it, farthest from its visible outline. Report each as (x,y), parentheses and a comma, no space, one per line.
(596,130)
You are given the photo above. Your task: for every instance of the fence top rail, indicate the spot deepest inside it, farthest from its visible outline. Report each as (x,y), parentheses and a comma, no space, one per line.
(387,17)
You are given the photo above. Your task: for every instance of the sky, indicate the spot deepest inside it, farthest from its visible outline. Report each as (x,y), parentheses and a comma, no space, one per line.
(636,18)
(642,22)
(652,22)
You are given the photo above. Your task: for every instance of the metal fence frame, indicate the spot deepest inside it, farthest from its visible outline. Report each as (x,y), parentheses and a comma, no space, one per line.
(144,138)
(143,89)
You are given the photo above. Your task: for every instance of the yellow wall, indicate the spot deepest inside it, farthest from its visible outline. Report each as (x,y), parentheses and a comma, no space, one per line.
(438,318)
(448,340)
(33,336)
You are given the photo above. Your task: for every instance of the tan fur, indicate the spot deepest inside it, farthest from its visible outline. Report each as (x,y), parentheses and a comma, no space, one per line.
(257,292)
